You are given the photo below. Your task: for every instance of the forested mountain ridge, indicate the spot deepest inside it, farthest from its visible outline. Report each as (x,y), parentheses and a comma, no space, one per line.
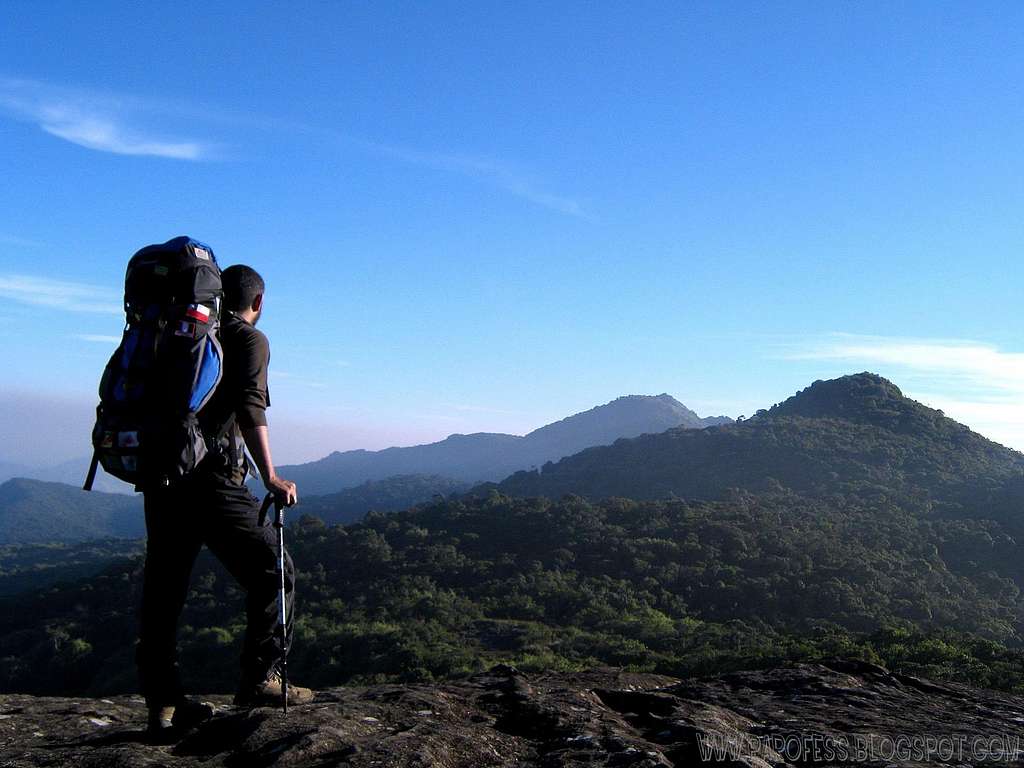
(71,472)
(35,511)
(391,494)
(848,520)
(828,438)
(484,456)
(672,587)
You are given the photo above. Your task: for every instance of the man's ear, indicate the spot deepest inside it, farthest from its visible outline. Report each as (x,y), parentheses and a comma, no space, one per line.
(257,302)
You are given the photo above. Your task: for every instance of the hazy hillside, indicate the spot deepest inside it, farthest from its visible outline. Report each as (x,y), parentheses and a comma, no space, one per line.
(858,429)
(38,511)
(10,469)
(491,456)
(71,472)
(388,495)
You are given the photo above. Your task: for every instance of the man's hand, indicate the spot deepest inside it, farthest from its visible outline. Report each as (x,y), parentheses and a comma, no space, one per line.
(285,492)
(257,440)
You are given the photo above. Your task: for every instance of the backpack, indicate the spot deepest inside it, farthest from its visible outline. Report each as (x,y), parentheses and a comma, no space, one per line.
(166,368)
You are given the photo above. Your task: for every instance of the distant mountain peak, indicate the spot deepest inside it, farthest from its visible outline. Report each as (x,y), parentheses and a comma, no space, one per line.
(860,396)
(663,396)
(829,437)
(487,456)
(625,416)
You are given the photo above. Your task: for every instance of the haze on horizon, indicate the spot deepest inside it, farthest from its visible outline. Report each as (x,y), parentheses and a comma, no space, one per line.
(483,217)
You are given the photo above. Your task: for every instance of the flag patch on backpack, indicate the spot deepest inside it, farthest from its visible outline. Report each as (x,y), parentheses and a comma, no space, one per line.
(186,329)
(128,439)
(198,312)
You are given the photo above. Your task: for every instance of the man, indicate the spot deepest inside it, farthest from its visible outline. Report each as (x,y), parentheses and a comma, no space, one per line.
(213,506)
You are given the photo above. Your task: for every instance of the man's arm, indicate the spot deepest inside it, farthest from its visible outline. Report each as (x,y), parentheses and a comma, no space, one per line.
(250,415)
(257,440)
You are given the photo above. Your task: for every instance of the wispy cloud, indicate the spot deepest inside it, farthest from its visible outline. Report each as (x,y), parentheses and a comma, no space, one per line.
(19,242)
(967,363)
(60,294)
(97,121)
(501,174)
(300,381)
(98,337)
(974,382)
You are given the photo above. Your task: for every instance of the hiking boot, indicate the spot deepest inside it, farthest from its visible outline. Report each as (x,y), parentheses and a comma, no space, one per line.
(160,724)
(189,714)
(169,722)
(268,693)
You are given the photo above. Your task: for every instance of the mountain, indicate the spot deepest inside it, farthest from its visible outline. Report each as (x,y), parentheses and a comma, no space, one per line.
(388,495)
(844,435)
(491,456)
(38,511)
(848,519)
(71,472)
(623,417)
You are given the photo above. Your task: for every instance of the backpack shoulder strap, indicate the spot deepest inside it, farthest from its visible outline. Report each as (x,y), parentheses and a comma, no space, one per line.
(90,478)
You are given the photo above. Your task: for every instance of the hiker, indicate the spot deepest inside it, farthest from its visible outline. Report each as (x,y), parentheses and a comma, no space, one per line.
(211,505)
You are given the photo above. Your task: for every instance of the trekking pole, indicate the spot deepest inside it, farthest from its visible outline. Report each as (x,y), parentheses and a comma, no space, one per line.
(282,605)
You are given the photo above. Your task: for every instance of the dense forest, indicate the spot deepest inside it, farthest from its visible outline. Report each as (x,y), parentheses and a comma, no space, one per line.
(25,567)
(670,586)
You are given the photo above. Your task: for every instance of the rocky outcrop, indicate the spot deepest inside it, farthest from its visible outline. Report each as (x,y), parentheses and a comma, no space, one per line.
(824,714)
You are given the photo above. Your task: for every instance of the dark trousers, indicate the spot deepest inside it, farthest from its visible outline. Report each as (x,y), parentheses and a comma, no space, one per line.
(207,509)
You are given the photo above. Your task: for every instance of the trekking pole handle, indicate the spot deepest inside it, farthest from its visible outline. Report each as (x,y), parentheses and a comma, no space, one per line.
(267,501)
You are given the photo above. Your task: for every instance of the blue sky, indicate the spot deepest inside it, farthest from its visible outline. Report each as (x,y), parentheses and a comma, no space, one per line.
(486,216)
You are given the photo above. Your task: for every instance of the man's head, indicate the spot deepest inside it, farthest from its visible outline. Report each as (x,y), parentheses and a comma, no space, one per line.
(243,291)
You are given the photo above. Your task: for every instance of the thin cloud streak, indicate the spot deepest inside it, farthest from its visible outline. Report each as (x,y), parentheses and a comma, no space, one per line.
(107,136)
(971,363)
(285,377)
(971,381)
(97,337)
(1000,420)
(19,242)
(500,174)
(112,123)
(60,294)
(88,119)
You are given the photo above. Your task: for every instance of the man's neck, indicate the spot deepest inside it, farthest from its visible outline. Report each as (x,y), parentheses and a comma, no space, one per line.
(245,314)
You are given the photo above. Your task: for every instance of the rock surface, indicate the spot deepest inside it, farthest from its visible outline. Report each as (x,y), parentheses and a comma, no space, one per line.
(501,717)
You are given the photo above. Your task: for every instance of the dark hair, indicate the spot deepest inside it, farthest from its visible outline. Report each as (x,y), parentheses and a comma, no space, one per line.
(242,285)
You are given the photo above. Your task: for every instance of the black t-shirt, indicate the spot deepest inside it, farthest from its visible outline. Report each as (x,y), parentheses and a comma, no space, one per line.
(242,391)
